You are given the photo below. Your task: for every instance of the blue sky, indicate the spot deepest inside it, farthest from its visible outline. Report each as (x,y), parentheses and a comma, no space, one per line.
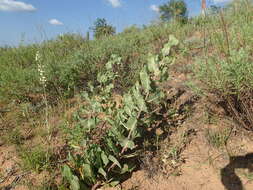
(36,20)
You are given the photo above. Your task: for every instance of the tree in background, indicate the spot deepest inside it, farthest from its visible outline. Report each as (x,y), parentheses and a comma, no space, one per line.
(174,9)
(102,29)
(131,29)
(214,9)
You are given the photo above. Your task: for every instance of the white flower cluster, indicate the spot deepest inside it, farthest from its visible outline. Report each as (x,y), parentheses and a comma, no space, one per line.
(37,57)
(41,69)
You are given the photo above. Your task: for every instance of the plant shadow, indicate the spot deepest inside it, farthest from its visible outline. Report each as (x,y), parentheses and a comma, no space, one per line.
(228,176)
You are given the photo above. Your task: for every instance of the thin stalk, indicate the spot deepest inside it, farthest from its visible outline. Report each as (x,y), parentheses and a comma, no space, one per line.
(225,32)
(46,112)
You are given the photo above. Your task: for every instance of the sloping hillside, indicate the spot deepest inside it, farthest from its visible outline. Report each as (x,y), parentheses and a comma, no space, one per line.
(168,106)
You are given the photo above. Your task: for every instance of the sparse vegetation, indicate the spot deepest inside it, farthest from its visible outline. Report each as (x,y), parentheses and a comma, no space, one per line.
(218,139)
(14,137)
(227,71)
(36,159)
(103,104)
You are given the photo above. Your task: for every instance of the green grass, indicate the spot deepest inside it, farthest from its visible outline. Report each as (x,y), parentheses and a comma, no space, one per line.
(226,67)
(36,159)
(217,139)
(14,136)
(223,66)
(70,61)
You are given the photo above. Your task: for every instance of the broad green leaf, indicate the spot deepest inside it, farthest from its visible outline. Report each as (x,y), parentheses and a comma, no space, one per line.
(128,100)
(166,49)
(145,80)
(85,95)
(128,110)
(153,65)
(139,100)
(96,106)
(114,160)
(102,171)
(74,183)
(115,59)
(104,158)
(114,183)
(137,86)
(131,123)
(127,143)
(98,160)
(71,158)
(135,134)
(102,78)
(155,97)
(112,146)
(108,65)
(87,171)
(164,75)
(124,169)
(168,60)
(129,107)
(90,123)
(172,42)
(91,87)
(127,168)
(122,117)
(66,172)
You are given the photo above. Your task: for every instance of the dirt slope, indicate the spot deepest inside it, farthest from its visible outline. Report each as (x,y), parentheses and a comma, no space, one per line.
(203,164)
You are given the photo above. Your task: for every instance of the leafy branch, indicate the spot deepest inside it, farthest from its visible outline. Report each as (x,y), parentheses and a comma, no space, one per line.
(109,124)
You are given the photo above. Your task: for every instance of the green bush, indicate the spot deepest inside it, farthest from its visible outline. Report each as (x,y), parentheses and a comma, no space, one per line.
(105,140)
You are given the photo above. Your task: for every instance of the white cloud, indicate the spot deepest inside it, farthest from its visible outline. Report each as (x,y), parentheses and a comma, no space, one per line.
(13,5)
(154,8)
(55,22)
(115,3)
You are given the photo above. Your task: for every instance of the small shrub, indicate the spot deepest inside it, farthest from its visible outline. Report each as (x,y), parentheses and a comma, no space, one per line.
(36,159)
(105,141)
(217,139)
